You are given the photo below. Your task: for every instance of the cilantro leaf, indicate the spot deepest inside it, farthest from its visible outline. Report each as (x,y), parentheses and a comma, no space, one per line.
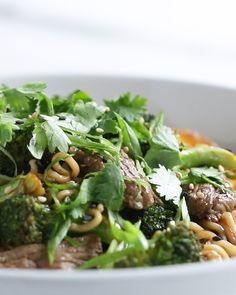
(27,99)
(106,187)
(128,108)
(31,88)
(162,135)
(56,137)
(205,175)
(87,113)
(7,128)
(78,95)
(38,142)
(67,104)
(208,172)
(129,138)
(164,146)
(69,121)
(167,184)
(60,104)
(141,131)
(108,123)
(19,103)
(44,104)
(84,117)
(34,91)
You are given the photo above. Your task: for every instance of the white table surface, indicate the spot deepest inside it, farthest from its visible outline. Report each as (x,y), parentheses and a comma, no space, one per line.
(184,39)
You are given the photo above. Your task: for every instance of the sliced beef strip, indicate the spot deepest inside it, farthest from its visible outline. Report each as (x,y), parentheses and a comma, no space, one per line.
(67,257)
(205,201)
(136,197)
(88,163)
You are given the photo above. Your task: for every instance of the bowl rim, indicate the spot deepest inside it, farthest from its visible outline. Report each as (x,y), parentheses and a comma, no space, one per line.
(112,76)
(157,272)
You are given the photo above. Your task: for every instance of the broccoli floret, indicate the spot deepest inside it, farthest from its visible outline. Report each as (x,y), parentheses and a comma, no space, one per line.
(138,258)
(18,149)
(156,218)
(23,220)
(7,167)
(177,244)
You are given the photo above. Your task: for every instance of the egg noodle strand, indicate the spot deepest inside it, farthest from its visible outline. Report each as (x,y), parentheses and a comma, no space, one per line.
(219,239)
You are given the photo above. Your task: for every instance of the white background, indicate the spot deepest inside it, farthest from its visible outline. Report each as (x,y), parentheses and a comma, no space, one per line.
(183,39)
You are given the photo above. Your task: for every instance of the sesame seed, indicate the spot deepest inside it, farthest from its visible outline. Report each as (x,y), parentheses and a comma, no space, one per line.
(99,130)
(35,115)
(61,118)
(221,168)
(107,109)
(172,223)
(42,199)
(191,186)
(216,238)
(67,200)
(178,174)
(8,189)
(73,149)
(19,121)
(200,195)
(126,149)
(139,205)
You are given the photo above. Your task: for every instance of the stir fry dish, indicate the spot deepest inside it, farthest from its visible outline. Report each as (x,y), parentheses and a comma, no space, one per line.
(87,186)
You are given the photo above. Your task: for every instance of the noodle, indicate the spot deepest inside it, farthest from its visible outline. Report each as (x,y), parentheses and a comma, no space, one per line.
(234,215)
(54,176)
(71,163)
(214,252)
(61,174)
(213,226)
(228,223)
(63,194)
(211,237)
(96,213)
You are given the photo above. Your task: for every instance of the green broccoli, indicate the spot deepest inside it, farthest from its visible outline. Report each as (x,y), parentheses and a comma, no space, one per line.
(7,167)
(177,244)
(18,149)
(156,218)
(23,220)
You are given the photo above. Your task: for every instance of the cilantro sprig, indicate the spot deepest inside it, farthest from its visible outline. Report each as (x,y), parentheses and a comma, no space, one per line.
(130,109)
(166,183)
(164,146)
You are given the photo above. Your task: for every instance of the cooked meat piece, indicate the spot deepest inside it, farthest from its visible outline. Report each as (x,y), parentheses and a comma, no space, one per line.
(136,197)
(88,163)
(67,256)
(205,201)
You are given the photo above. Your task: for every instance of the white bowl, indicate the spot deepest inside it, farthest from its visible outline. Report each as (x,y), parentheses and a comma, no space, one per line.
(208,109)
